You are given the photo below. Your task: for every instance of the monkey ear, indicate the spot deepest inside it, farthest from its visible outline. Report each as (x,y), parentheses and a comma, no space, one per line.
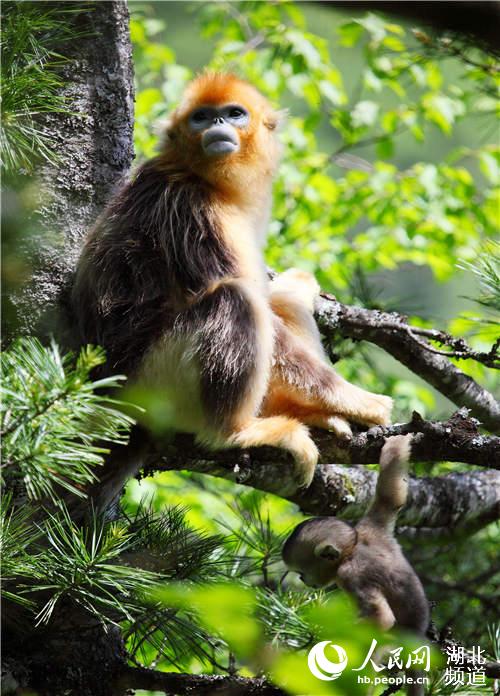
(276,119)
(327,551)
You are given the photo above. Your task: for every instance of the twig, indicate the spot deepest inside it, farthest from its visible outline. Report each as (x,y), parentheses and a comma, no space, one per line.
(460,349)
(391,332)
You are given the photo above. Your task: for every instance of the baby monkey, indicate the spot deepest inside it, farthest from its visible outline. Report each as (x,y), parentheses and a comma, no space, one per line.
(366,560)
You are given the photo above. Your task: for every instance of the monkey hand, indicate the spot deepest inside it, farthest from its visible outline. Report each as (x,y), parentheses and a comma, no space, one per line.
(301,285)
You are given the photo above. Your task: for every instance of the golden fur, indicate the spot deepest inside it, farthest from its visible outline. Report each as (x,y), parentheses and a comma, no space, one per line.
(172,282)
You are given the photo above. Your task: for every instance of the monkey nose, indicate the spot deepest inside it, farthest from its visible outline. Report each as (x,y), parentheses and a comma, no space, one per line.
(219,140)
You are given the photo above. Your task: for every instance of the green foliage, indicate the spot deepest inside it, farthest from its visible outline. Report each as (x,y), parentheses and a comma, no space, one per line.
(18,564)
(487,271)
(82,565)
(54,423)
(105,568)
(175,548)
(30,78)
(257,544)
(427,213)
(241,613)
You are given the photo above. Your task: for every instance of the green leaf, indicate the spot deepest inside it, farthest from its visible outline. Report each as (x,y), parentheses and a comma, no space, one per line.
(489,166)
(385,148)
(442,110)
(350,33)
(393,43)
(225,608)
(54,424)
(364,113)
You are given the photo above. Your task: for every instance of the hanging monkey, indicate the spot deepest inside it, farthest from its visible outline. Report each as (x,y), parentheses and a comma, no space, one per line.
(366,560)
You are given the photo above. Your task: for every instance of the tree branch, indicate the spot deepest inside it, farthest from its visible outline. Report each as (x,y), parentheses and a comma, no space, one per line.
(457,501)
(392,333)
(191,684)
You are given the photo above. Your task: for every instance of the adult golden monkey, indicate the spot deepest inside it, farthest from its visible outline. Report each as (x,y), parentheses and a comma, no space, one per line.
(172,283)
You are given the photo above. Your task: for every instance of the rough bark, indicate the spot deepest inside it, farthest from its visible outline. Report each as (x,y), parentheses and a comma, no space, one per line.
(195,685)
(94,151)
(392,333)
(455,502)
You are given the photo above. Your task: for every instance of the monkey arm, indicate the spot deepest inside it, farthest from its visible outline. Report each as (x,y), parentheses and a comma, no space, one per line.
(373,605)
(370,600)
(392,483)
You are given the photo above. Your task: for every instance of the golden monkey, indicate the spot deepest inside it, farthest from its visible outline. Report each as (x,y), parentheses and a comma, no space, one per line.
(366,560)
(172,283)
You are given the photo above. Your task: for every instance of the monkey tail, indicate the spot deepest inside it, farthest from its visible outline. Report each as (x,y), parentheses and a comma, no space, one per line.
(396,449)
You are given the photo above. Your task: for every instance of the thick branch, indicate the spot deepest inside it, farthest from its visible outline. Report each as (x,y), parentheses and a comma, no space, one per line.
(394,335)
(193,684)
(456,501)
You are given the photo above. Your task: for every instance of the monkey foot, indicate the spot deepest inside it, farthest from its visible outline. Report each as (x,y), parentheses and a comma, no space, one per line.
(299,283)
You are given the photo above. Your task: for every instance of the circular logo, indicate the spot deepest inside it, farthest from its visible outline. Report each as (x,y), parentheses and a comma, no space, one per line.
(321,667)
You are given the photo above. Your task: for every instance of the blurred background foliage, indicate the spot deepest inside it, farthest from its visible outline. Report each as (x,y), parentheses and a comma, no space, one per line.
(388,192)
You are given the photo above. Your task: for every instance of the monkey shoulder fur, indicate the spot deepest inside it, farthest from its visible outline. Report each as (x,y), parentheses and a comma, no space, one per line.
(172,283)
(366,560)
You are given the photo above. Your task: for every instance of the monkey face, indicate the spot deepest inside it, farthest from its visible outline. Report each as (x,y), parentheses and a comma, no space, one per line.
(224,131)
(219,127)
(313,569)
(316,548)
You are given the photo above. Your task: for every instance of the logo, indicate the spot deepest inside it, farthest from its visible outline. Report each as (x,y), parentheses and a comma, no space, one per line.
(321,667)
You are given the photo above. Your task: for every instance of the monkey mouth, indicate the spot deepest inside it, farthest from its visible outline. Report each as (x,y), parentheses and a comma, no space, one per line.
(219,143)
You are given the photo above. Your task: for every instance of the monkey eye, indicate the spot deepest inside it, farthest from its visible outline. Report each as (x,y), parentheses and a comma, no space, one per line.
(236,112)
(199,116)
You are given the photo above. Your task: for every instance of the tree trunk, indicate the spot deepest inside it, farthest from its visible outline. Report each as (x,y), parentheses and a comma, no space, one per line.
(94,152)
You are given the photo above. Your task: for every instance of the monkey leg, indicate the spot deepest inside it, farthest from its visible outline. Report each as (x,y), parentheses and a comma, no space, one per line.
(232,328)
(292,297)
(281,401)
(301,371)
(286,433)
(301,379)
